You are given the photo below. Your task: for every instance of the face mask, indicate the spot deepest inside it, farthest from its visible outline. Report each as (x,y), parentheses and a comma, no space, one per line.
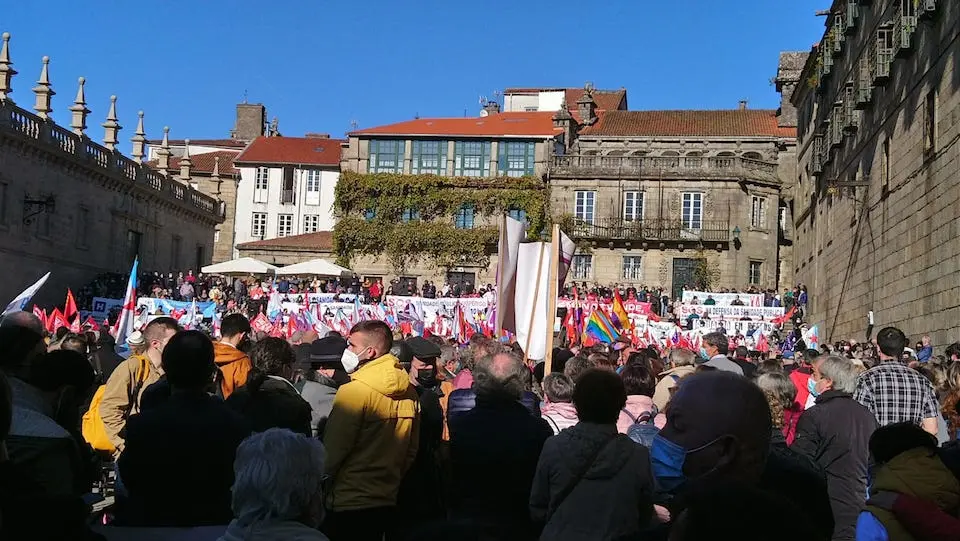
(703,353)
(667,459)
(427,377)
(350,361)
(812,387)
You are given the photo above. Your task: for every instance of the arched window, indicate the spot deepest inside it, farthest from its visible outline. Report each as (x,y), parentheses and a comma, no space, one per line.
(693,159)
(752,155)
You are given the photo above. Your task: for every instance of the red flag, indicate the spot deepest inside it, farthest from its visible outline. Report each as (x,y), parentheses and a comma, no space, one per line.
(785,317)
(70,306)
(90,322)
(291,326)
(75,326)
(56,321)
(41,315)
(276,331)
(762,345)
(569,326)
(261,323)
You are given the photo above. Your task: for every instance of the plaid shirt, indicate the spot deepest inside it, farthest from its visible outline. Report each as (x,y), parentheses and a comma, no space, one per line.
(895,393)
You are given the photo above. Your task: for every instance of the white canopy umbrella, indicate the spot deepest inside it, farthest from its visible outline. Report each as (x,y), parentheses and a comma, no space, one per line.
(314,267)
(241,266)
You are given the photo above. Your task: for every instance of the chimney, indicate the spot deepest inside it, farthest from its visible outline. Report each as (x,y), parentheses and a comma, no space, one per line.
(492,107)
(586,106)
(251,122)
(317,135)
(743,105)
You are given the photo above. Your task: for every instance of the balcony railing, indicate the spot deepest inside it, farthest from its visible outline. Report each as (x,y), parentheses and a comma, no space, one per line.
(652,230)
(575,165)
(288,197)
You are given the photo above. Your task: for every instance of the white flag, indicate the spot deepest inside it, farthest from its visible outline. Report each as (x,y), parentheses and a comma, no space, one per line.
(23,299)
(567,249)
(531,301)
(512,232)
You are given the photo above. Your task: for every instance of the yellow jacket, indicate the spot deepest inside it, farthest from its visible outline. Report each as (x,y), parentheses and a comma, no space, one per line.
(371,436)
(116,405)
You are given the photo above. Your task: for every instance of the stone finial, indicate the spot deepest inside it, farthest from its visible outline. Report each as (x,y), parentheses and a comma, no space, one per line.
(586,106)
(79,111)
(185,161)
(111,128)
(216,167)
(163,155)
(563,113)
(6,70)
(139,140)
(274,128)
(44,91)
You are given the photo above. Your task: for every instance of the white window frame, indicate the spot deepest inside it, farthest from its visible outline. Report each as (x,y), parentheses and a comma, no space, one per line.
(311,223)
(585,205)
(691,220)
(759,278)
(581,267)
(311,181)
(258,225)
(633,206)
(284,225)
(634,271)
(758,212)
(261,184)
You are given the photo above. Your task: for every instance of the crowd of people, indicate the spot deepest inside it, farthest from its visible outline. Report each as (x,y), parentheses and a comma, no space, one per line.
(379,436)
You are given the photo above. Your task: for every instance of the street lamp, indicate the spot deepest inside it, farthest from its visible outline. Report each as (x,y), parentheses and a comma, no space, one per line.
(736,237)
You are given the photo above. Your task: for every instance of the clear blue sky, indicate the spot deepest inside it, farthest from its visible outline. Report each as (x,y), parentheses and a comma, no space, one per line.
(320,64)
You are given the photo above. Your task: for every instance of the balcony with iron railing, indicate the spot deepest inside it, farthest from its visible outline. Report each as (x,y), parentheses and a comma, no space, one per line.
(657,230)
(586,165)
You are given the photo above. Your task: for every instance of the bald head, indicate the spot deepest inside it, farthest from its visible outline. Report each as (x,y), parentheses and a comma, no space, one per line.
(500,374)
(22,319)
(724,421)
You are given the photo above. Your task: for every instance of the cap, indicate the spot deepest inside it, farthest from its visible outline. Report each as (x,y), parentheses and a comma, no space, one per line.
(422,348)
(327,350)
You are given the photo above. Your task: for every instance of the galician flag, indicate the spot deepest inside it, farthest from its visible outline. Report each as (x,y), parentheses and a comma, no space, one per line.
(129,311)
(23,299)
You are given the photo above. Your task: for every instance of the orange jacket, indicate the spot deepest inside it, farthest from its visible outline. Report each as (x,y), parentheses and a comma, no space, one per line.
(233,364)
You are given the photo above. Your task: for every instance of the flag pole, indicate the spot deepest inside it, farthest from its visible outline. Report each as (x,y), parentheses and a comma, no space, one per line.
(533,311)
(501,245)
(553,289)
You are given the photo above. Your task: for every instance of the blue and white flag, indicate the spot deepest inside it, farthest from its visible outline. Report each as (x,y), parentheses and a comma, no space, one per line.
(23,299)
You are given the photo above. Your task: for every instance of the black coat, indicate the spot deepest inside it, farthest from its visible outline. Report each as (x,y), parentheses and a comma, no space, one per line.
(800,481)
(177,465)
(267,402)
(464,400)
(835,433)
(494,449)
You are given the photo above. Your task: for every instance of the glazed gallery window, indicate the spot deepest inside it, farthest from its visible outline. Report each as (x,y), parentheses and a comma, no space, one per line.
(516,159)
(429,157)
(386,156)
(471,158)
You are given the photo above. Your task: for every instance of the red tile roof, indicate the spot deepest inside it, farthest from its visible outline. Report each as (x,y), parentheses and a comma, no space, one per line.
(225,143)
(718,123)
(292,150)
(535,124)
(606,100)
(203,163)
(321,241)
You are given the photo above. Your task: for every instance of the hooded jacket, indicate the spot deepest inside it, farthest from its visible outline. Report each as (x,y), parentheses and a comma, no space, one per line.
(372,436)
(319,394)
(918,472)
(234,365)
(612,500)
(559,415)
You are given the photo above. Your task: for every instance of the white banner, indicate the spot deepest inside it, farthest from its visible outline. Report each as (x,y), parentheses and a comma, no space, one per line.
(731,312)
(429,309)
(723,299)
(732,327)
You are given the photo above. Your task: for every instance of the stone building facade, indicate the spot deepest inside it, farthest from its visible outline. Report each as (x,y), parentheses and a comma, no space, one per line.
(877,191)
(76,208)
(657,194)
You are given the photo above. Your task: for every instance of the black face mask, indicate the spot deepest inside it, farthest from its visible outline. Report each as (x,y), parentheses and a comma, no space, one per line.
(427,376)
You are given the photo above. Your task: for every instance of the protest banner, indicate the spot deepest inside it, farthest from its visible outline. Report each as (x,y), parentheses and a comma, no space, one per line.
(730,312)
(722,299)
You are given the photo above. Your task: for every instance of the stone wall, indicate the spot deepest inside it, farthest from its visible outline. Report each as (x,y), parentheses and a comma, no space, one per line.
(101,201)
(225,189)
(890,245)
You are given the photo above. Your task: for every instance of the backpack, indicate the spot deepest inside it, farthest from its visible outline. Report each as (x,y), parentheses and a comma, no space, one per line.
(94,432)
(642,430)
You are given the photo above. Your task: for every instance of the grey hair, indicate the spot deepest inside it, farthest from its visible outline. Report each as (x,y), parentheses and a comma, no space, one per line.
(500,374)
(558,388)
(23,319)
(683,357)
(779,385)
(278,475)
(841,371)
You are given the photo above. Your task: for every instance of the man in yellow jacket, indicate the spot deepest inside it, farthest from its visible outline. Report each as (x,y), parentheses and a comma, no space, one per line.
(371,436)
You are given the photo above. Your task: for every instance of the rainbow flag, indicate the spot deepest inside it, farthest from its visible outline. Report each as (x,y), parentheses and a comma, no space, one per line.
(600,328)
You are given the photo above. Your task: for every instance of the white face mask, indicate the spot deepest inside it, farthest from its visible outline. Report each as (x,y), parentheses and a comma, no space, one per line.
(350,361)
